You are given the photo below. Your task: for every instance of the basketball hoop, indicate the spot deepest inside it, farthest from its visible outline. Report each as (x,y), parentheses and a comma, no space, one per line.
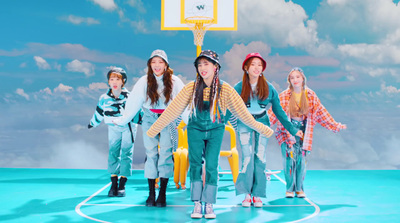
(199,26)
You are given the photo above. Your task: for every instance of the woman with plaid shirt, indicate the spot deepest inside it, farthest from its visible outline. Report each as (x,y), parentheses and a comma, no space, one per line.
(305,110)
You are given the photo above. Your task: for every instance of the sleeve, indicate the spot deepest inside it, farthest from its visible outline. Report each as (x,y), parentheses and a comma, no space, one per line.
(280,114)
(239,109)
(322,116)
(172,112)
(98,115)
(179,85)
(133,103)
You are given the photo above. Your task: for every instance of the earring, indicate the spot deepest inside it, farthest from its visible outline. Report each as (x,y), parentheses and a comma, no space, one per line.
(261,74)
(165,69)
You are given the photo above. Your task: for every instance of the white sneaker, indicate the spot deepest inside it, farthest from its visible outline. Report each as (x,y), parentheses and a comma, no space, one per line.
(247,201)
(197,211)
(257,202)
(300,194)
(209,211)
(289,194)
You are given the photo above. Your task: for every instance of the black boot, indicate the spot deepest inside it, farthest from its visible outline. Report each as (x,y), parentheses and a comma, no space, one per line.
(121,187)
(161,200)
(151,200)
(114,187)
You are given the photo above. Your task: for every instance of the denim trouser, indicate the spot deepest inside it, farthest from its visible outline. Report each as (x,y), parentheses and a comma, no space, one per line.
(207,144)
(120,149)
(158,163)
(252,179)
(294,162)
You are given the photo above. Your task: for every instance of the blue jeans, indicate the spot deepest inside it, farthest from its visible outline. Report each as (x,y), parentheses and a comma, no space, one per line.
(294,162)
(120,150)
(158,163)
(252,179)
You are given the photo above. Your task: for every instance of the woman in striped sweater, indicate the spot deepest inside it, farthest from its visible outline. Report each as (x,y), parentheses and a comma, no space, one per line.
(208,99)
(305,110)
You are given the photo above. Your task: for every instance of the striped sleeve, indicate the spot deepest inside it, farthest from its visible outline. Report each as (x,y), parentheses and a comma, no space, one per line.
(172,112)
(238,108)
(98,115)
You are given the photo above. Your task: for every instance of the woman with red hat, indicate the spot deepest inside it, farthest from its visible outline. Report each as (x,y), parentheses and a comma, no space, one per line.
(208,98)
(257,93)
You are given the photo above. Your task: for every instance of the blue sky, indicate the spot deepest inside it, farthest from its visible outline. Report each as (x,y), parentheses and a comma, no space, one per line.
(54,56)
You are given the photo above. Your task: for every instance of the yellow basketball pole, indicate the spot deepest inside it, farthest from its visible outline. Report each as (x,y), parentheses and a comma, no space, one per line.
(198,50)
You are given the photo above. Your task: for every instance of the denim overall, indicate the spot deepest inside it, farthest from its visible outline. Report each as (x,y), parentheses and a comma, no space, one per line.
(158,163)
(205,140)
(294,161)
(252,179)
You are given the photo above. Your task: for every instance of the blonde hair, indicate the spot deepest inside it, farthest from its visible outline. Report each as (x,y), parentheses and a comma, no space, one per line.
(296,110)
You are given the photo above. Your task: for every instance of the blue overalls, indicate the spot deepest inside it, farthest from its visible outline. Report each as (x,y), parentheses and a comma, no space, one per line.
(205,140)
(252,179)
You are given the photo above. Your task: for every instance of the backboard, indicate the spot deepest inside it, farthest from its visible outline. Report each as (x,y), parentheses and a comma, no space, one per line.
(222,12)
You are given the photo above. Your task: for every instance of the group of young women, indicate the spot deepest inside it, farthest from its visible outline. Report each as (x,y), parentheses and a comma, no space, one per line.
(206,105)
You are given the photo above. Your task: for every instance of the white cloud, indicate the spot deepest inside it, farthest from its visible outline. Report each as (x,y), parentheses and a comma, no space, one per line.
(83,67)
(57,66)
(22,93)
(46,91)
(41,63)
(77,20)
(278,22)
(372,53)
(63,88)
(22,65)
(108,5)
(64,155)
(391,90)
(138,4)
(97,86)
(365,31)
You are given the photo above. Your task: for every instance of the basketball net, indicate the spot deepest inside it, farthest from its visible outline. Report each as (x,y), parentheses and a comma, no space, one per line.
(199,26)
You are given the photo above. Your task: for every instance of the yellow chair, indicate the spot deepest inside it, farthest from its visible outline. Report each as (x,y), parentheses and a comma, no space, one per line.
(232,155)
(182,143)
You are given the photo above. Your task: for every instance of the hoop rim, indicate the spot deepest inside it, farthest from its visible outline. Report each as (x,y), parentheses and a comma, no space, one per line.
(199,20)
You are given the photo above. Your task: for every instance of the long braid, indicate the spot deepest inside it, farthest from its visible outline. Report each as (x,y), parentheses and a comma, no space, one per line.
(193,103)
(214,96)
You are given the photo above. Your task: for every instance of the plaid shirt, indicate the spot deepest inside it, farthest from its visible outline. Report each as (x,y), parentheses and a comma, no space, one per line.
(317,114)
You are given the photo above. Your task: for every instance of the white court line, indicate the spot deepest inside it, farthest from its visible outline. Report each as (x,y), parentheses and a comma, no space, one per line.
(78,207)
(178,205)
(317,209)
(83,203)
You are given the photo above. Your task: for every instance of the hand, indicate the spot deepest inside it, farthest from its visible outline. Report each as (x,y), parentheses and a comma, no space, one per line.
(300,134)
(344,126)
(89,126)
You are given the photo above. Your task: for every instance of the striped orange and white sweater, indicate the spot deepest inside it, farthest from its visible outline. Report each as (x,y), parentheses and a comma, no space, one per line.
(229,99)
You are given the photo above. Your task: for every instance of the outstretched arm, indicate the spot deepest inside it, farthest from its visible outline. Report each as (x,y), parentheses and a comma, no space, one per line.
(173,110)
(280,114)
(323,117)
(239,109)
(134,102)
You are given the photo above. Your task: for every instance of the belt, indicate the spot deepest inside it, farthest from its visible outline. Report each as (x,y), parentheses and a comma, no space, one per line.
(260,115)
